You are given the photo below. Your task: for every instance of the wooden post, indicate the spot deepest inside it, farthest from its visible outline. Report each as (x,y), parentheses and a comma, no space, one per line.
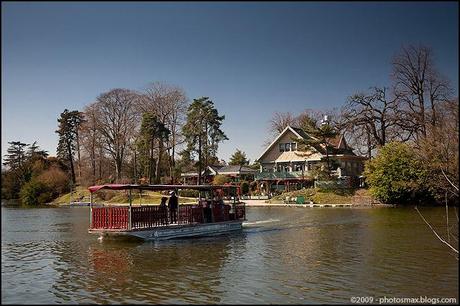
(130,205)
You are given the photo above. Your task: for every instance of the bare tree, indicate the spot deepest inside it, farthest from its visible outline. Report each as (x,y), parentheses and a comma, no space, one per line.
(90,137)
(117,123)
(280,121)
(169,103)
(373,117)
(419,87)
(439,151)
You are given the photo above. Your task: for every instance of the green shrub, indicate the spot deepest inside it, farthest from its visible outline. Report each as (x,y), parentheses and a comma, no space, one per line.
(220,179)
(244,187)
(35,192)
(395,175)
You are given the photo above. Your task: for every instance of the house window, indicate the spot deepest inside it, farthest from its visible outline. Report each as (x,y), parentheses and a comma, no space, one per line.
(293,146)
(297,167)
(281,147)
(287,147)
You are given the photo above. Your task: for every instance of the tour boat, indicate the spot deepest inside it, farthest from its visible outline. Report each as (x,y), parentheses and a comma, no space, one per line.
(208,216)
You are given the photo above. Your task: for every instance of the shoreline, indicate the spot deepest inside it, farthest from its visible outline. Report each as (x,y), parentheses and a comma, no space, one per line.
(262,203)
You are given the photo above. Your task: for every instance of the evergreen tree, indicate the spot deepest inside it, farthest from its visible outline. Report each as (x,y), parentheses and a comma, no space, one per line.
(34,152)
(17,173)
(151,131)
(16,156)
(238,158)
(202,132)
(318,140)
(69,123)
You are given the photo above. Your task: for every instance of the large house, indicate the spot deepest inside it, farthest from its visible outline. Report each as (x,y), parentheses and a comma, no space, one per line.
(284,167)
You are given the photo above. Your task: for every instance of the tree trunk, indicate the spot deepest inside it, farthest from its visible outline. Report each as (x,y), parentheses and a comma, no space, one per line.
(369,145)
(135,166)
(78,154)
(157,170)
(151,162)
(72,170)
(199,160)
(173,161)
(118,165)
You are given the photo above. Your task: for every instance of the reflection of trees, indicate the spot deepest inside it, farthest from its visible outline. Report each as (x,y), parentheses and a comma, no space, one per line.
(182,270)
(117,271)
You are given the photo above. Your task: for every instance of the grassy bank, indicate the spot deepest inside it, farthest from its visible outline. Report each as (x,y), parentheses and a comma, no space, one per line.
(81,194)
(318,196)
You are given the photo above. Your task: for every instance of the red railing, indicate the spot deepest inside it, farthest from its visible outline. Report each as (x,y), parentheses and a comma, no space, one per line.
(152,216)
(110,217)
(240,212)
(148,216)
(190,214)
(221,213)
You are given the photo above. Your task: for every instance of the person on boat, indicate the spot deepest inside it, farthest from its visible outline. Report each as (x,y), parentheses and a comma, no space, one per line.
(163,211)
(163,202)
(173,204)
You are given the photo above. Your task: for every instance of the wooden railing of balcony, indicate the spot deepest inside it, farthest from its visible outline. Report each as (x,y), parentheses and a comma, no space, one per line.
(281,175)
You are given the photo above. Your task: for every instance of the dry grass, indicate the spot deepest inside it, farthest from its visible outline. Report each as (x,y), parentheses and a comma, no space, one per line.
(116,197)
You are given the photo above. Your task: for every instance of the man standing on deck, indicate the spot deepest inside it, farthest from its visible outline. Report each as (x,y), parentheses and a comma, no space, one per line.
(172,204)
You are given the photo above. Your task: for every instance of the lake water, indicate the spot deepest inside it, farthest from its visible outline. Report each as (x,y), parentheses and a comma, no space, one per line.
(285,255)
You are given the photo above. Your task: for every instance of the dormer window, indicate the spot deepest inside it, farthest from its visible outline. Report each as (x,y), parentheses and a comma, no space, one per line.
(286,147)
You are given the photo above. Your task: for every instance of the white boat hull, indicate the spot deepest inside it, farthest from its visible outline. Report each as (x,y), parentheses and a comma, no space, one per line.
(176,231)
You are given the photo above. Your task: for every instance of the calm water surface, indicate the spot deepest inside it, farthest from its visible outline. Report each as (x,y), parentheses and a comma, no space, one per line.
(285,255)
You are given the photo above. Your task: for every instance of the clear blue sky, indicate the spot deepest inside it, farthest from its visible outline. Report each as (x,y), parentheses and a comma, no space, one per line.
(251,59)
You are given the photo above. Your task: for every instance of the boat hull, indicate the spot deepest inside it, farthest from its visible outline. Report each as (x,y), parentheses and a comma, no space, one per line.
(175,231)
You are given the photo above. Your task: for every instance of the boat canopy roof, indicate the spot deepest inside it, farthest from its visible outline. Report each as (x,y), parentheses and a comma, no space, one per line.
(157,187)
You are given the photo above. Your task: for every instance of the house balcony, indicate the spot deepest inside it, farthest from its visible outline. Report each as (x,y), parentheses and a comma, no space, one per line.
(282,175)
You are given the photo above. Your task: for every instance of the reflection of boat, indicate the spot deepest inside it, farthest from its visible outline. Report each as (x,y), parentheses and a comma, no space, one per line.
(210,216)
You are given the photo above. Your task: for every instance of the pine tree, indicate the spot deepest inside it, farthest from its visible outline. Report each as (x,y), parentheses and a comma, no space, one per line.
(152,131)
(238,158)
(202,132)
(69,123)
(16,156)
(318,140)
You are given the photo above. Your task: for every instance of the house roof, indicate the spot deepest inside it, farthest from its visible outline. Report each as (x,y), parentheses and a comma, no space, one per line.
(236,169)
(292,156)
(338,143)
(288,128)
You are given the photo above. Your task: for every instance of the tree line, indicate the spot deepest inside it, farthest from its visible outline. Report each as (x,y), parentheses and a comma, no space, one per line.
(125,136)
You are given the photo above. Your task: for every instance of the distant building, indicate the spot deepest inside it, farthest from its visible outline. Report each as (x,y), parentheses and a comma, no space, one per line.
(235,172)
(284,167)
